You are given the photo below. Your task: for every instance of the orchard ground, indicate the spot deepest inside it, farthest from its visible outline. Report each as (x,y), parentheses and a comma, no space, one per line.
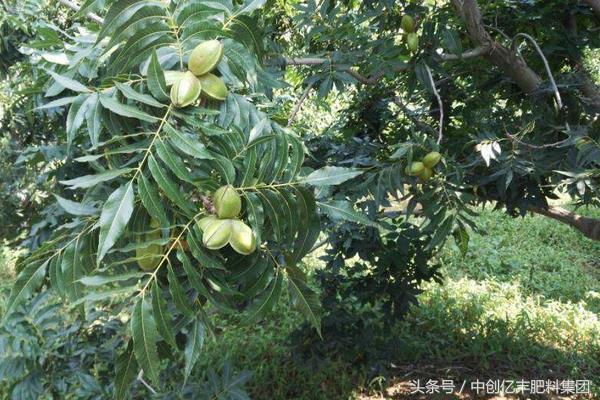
(522,303)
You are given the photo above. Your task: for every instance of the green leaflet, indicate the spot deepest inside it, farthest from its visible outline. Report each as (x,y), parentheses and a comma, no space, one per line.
(72,271)
(328,176)
(308,232)
(132,94)
(114,217)
(120,15)
(75,208)
(180,298)
(29,280)
(156,79)
(56,277)
(126,369)
(151,200)
(87,181)
(76,117)
(306,299)
(193,346)
(170,188)
(164,319)
(104,294)
(94,120)
(69,83)
(187,144)
(264,303)
(145,336)
(125,110)
(63,101)
(101,280)
(171,160)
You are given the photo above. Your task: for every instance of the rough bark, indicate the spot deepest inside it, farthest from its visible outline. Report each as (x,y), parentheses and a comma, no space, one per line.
(589,227)
(504,58)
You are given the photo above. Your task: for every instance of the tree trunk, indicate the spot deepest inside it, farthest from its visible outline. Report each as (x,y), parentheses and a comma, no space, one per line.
(595,5)
(590,227)
(505,59)
(587,86)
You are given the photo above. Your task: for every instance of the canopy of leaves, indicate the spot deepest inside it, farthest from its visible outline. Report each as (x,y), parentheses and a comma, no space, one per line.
(135,173)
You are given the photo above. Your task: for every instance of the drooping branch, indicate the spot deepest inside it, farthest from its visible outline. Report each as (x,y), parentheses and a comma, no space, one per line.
(589,227)
(507,60)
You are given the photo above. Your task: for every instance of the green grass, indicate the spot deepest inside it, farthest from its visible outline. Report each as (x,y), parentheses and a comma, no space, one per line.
(8,257)
(522,303)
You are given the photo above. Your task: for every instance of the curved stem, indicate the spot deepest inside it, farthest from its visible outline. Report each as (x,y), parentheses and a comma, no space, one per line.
(546,65)
(440,104)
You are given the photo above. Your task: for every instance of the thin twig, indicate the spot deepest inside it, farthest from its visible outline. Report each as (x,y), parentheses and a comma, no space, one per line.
(534,146)
(299,103)
(440,104)
(501,32)
(74,6)
(376,76)
(473,53)
(546,65)
(141,379)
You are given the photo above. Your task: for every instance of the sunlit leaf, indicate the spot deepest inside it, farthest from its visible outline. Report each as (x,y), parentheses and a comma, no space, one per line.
(145,336)
(114,217)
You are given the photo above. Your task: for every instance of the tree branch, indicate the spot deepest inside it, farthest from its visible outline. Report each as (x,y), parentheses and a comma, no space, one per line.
(140,377)
(505,59)
(376,76)
(534,146)
(74,6)
(473,53)
(440,104)
(589,227)
(299,103)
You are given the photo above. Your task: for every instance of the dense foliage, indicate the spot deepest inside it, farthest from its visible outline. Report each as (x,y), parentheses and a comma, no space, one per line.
(139,150)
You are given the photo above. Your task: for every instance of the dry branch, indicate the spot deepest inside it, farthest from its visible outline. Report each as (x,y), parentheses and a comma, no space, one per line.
(589,227)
